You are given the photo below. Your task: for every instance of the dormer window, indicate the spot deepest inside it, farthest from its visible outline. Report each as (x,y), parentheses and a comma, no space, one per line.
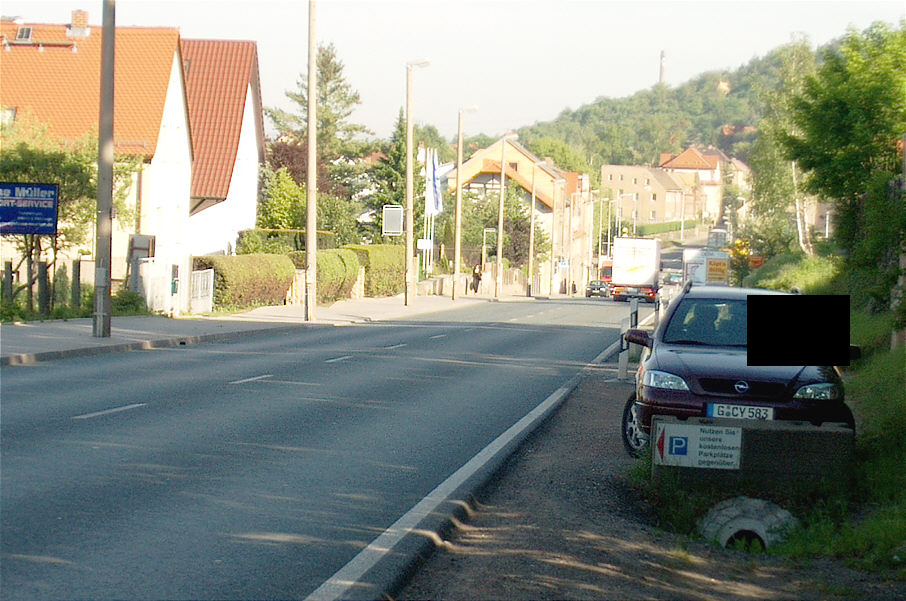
(23,34)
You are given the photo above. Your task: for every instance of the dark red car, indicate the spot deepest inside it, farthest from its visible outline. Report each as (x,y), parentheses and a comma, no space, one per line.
(694,365)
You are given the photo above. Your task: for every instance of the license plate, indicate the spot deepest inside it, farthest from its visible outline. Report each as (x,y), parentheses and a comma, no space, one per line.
(632,291)
(740,411)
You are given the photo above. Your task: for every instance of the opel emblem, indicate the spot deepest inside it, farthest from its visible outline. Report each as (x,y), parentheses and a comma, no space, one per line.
(741,387)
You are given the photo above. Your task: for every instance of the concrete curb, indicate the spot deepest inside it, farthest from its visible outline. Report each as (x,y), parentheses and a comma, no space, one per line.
(139,345)
(389,574)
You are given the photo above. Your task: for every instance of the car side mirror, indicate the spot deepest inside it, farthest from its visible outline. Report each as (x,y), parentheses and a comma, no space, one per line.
(637,336)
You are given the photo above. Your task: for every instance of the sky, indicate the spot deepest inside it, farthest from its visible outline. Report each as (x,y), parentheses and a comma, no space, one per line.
(519,61)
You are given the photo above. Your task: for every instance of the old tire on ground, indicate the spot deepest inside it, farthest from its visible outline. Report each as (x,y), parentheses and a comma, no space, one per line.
(635,439)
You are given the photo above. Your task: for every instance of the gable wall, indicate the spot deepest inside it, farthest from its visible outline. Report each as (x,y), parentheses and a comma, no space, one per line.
(215,229)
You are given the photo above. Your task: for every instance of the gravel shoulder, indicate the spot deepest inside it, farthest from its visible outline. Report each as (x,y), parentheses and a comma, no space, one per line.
(562,522)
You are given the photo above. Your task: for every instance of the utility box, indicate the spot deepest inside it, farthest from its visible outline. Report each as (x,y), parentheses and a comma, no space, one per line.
(768,456)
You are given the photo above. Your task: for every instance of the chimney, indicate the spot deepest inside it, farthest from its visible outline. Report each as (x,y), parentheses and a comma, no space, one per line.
(79,26)
(662,79)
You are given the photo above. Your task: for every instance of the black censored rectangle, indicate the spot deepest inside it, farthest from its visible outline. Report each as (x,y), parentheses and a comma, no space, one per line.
(798,329)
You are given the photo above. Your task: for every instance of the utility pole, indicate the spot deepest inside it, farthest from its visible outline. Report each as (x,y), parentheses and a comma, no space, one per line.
(102,303)
(457,245)
(409,293)
(311,207)
(498,281)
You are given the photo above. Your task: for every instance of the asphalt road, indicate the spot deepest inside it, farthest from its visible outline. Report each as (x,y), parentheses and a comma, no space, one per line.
(257,468)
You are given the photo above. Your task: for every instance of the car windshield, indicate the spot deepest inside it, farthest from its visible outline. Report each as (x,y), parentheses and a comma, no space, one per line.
(708,321)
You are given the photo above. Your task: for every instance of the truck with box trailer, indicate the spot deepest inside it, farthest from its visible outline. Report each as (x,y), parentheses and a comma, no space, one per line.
(636,268)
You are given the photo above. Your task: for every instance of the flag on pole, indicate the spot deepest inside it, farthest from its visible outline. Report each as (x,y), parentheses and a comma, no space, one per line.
(438,196)
(433,198)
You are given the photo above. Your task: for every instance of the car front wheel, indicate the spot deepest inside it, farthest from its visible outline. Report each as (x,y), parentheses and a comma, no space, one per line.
(635,439)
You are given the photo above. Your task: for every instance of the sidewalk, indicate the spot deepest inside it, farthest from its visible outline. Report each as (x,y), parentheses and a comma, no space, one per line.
(30,342)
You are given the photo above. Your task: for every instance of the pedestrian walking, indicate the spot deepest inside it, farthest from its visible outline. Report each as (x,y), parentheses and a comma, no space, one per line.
(476,278)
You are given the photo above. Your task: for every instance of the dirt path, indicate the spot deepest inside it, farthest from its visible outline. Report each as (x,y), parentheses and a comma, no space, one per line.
(562,523)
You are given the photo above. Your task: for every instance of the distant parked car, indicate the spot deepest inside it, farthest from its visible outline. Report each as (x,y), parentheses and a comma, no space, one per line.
(597,288)
(694,365)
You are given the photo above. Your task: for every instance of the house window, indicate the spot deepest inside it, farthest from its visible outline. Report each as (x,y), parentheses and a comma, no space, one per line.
(652,216)
(647,181)
(7,116)
(635,180)
(610,177)
(23,34)
(653,197)
(621,177)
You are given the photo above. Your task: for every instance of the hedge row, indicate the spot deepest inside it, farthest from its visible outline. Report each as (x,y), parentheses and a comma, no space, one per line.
(385,267)
(261,240)
(668,226)
(249,280)
(338,270)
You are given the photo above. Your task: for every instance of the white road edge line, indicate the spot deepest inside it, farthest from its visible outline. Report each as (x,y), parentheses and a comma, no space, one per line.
(338,586)
(335,359)
(243,381)
(109,411)
(438,336)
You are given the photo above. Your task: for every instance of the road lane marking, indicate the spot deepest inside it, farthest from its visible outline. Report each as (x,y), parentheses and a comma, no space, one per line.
(393,346)
(335,359)
(244,380)
(109,411)
(438,336)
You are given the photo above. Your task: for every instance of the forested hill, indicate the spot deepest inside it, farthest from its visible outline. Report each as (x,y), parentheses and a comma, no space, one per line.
(716,108)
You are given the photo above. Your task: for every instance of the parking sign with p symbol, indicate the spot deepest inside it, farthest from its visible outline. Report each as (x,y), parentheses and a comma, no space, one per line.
(679,445)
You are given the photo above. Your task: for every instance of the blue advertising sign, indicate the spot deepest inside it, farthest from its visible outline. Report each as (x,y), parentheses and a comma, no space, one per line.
(28,208)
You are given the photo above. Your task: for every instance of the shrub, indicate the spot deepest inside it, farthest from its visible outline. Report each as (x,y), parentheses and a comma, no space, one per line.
(811,275)
(385,268)
(279,242)
(667,226)
(337,272)
(126,302)
(249,280)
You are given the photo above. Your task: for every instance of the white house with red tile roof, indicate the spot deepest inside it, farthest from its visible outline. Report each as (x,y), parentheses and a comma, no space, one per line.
(53,73)
(224,99)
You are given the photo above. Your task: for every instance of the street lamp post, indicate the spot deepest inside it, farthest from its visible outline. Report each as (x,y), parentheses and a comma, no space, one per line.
(410,288)
(531,244)
(557,184)
(457,250)
(484,243)
(498,281)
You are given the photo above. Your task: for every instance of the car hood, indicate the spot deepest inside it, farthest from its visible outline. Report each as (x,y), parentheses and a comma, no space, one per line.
(724,362)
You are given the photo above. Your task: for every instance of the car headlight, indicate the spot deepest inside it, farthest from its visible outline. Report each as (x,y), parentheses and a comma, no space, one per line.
(662,379)
(826,391)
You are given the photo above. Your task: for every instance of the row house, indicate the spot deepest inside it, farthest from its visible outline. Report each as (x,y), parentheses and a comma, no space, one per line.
(645,195)
(562,205)
(189,110)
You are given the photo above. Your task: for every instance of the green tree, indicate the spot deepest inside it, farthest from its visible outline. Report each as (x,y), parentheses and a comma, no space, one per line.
(29,154)
(336,100)
(777,221)
(283,207)
(281,204)
(847,121)
(339,140)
